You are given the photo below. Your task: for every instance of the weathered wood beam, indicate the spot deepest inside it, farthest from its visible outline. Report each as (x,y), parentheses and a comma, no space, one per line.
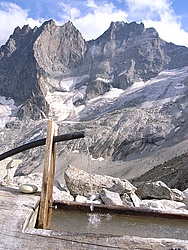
(48,177)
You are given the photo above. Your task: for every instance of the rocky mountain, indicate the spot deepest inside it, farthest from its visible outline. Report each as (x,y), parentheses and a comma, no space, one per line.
(127,89)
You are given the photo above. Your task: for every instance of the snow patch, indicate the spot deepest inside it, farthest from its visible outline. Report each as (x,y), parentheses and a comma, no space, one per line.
(157,103)
(97,159)
(106,80)
(8,110)
(61,105)
(113,93)
(68,83)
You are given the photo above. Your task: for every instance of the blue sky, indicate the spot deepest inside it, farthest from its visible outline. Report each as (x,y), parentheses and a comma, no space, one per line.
(93,17)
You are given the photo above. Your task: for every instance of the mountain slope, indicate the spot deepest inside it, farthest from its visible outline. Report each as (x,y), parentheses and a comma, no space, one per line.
(127,89)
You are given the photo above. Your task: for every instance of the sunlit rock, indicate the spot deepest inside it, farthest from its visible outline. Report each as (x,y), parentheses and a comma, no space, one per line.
(61,195)
(78,183)
(110,198)
(164,205)
(135,199)
(7,170)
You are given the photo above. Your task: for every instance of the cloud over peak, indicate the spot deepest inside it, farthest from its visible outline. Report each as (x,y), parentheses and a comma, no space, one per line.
(93,17)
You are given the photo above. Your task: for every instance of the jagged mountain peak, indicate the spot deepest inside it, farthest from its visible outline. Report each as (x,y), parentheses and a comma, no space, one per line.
(124,31)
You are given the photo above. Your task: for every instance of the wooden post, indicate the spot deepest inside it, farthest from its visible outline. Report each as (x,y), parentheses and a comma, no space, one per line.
(48,177)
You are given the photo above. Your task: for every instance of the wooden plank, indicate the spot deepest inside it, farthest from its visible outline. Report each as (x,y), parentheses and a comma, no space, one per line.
(48,177)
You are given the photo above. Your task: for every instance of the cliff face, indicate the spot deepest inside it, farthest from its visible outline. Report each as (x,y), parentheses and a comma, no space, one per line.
(34,61)
(31,57)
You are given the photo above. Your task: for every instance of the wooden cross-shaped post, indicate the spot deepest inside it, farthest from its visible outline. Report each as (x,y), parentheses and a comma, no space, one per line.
(48,177)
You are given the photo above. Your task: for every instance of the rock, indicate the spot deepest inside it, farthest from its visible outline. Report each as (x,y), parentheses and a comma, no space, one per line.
(78,183)
(3,170)
(177,195)
(127,200)
(110,198)
(185,201)
(81,199)
(8,167)
(158,190)
(28,188)
(135,199)
(61,195)
(164,205)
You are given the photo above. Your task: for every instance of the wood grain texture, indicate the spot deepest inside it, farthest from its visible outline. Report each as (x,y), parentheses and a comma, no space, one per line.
(48,176)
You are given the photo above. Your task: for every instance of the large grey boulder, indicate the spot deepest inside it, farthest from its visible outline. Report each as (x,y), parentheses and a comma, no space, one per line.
(78,183)
(158,190)
(110,198)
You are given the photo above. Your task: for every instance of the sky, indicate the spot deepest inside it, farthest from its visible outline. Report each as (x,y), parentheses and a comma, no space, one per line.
(93,17)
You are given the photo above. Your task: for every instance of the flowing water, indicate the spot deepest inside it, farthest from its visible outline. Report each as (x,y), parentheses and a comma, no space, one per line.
(118,224)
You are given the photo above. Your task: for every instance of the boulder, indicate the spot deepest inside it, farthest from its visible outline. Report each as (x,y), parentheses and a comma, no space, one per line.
(81,199)
(127,200)
(110,198)
(135,199)
(177,195)
(158,190)
(164,205)
(78,183)
(185,201)
(61,195)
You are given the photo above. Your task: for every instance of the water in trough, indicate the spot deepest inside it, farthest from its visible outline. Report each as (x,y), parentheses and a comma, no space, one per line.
(118,224)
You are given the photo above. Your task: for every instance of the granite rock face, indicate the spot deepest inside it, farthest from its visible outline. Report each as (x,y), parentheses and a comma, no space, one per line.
(32,56)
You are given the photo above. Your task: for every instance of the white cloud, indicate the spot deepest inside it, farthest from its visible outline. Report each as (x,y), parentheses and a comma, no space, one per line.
(170,32)
(69,13)
(11,16)
(93,17)
(160,15)
(97,19)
